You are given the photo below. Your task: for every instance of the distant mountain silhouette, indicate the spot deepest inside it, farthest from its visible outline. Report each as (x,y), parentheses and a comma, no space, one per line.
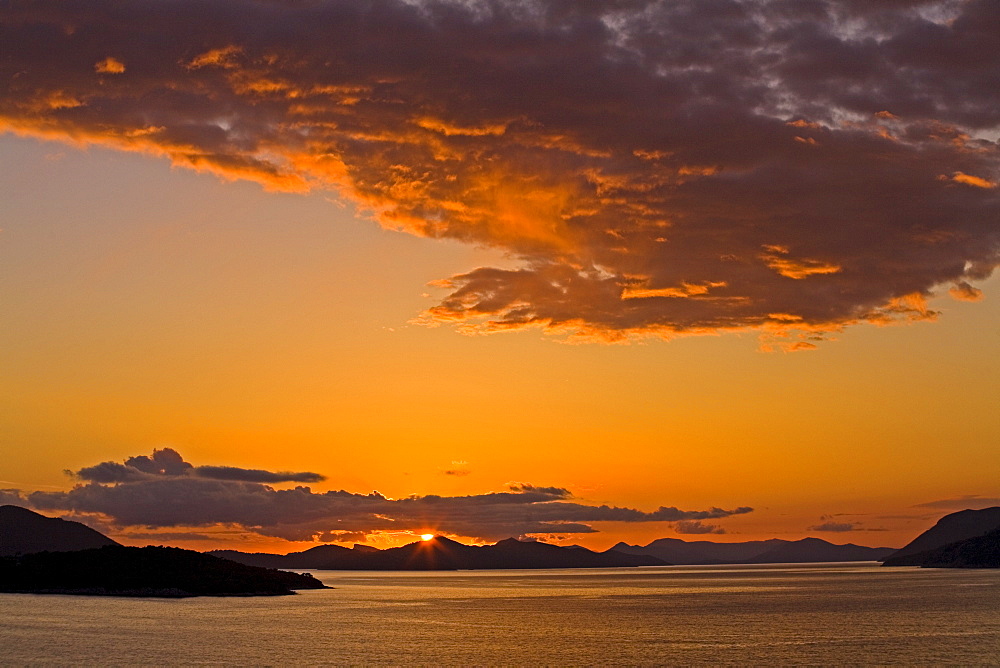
(950,529)
(316,557)
(23,531)
(442,553)
(682,552)
(978,552)
(143,571)
(811,550)
(772,551)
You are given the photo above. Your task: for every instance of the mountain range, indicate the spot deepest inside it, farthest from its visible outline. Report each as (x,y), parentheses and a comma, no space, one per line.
(440,553)
(772,551)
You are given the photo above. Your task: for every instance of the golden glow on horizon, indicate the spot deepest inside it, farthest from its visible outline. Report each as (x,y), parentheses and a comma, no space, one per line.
(310,365)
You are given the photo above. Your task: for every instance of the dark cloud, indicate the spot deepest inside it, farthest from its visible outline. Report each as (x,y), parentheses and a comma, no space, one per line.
(165,501)
(255,475)
(972,501)
(165,536)
(836,527)
(553,492)
(109,472)
(343,536)
(162,462)
(12,497)
(653,167)
(168,462)
(695,526)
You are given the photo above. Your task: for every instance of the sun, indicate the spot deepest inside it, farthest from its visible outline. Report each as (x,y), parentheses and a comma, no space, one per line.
(426,536)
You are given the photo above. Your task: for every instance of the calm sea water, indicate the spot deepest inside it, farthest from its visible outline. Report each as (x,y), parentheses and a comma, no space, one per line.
(802,614)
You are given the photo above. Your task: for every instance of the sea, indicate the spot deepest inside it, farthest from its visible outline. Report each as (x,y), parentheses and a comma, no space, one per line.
(793,614)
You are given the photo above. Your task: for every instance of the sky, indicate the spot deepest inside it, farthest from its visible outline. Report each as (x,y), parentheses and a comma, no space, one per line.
(280,273)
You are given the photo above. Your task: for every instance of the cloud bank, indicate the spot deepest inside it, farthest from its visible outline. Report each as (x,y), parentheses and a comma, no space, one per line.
(652,167)
(164,491)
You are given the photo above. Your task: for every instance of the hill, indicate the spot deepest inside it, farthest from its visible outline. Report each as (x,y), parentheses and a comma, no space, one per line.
(168,572)
(978,552)
(442,553)
(23,531)
(950,529)
(772,551)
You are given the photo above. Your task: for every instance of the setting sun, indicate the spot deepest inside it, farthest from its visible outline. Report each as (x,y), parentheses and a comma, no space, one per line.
(426,536)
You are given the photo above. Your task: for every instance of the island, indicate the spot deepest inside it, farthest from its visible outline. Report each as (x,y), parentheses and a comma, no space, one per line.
(162,572)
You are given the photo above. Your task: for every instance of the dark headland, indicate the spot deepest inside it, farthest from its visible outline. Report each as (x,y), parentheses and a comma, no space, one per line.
(108,569)
(966,539)
(23,531)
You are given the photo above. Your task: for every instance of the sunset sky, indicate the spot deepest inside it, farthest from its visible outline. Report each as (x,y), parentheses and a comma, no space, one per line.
(282,272)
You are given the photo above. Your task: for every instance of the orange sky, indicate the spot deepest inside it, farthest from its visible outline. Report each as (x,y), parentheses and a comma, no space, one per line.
(433,297)
(151,307)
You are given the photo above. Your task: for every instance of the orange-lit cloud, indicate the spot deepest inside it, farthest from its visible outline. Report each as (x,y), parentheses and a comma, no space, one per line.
(777,258)
(164,491)
(964,292)
(970,180)
(109,66)
(593,142)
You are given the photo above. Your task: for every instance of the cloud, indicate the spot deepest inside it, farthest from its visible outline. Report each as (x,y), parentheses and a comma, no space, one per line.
(652,168)
(528,488)
(695,526)
(255,475)
(343,536)
(168,462)
(186,499)
(11,497)
(964,292)
(109,66)
(836,527)
(166,536)
(971,501)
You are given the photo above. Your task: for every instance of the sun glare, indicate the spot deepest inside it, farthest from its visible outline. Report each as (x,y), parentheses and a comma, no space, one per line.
(426,536)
